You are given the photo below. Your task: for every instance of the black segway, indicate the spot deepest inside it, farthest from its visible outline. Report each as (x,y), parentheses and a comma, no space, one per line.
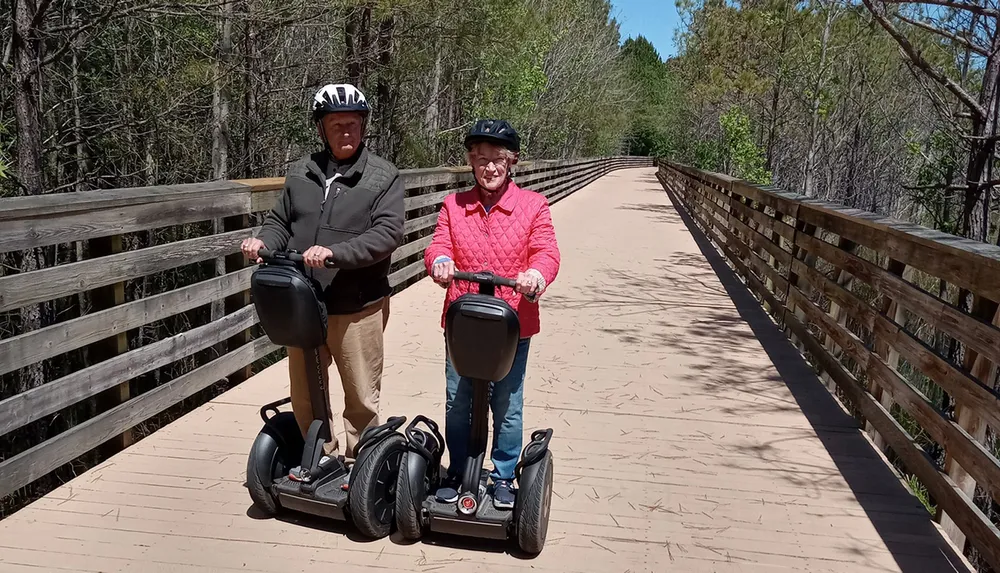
(286,471)
(481,334)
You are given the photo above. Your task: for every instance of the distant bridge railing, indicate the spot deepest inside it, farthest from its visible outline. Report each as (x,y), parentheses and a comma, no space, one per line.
(103,346)
(877,304)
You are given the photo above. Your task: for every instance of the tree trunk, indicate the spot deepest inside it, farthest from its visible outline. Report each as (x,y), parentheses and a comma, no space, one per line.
(305,83)
(147,331)
(220,94)
(981,147)
(81,154)
(27,79)
(250,80)
(220,133)
(385,92)
(357,42)
(809,170)
(988,190)
(432,115)
(772,130)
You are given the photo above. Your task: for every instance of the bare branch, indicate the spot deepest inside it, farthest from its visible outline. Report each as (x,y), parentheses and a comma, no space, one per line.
(8,51)
(914,56)
(995,137)
(953,37)
(43,7)
(949,4)
(113,12)
(100,20)
(952,187)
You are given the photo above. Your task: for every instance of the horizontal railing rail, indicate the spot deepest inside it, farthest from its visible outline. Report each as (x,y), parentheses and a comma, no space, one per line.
(882,308)
(108,304)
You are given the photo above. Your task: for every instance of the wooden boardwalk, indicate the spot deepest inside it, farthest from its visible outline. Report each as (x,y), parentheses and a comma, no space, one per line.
(689,436)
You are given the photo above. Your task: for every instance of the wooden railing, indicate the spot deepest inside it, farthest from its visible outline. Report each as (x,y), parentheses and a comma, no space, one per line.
(105,325)
(881,308)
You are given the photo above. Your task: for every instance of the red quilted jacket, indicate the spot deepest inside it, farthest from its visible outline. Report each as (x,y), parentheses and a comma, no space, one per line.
(516,235)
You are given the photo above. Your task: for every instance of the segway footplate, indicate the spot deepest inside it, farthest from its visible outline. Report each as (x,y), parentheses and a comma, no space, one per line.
(487,521)
(327,500)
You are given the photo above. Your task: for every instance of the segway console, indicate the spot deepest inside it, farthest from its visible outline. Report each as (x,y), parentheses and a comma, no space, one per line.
(481,334)
(288,470)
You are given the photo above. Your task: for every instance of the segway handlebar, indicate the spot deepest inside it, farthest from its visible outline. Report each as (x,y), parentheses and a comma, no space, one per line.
(485,278)
(272,256)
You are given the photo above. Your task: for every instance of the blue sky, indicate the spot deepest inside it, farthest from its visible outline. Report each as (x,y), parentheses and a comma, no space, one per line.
(654,19)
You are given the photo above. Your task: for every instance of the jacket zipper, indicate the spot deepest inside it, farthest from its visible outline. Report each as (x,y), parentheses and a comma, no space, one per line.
(327,199)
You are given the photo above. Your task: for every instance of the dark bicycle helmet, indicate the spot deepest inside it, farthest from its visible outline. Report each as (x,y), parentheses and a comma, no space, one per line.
(496,131)
(333,98)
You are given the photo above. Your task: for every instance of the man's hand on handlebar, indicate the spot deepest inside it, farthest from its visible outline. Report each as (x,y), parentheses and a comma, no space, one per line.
(251,248)
(316,256)
(443,272)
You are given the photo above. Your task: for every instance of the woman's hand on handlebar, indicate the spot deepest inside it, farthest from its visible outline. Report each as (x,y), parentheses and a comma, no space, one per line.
(530,283)
(251,247)
(443,272)
(316,256)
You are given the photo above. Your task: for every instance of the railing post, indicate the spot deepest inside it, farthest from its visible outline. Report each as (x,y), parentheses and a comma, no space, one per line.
(793,277)
(844,280)
(233,303)
(740,216)
(104,298)
(892,309)
(986,372)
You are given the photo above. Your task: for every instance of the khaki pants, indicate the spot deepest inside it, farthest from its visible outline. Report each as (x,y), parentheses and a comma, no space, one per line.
(354,342)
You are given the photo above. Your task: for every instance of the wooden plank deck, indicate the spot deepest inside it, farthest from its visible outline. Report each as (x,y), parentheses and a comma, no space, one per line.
(689,436)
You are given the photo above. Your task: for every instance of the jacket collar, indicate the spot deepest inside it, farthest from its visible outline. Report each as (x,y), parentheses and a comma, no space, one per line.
(358,167)
(320,161)
(506,203)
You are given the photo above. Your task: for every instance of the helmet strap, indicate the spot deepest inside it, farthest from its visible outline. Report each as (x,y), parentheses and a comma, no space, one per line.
(322,136)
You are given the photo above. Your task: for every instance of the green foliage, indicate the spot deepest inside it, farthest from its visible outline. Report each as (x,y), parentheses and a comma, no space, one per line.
(936,158)
(148,81)
(653,126)
(512,70)
(828,98)
(6,152)
(548,66)
(744,158)
(707,154)
(921,493)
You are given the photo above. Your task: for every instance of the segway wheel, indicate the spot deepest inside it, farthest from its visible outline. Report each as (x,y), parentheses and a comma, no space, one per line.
(276,447)
(372,493)
(532,509)
(407,505)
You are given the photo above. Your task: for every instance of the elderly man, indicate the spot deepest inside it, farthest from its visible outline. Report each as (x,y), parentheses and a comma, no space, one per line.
(343,203)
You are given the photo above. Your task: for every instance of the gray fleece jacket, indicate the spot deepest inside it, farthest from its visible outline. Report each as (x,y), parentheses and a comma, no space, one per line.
(355,210)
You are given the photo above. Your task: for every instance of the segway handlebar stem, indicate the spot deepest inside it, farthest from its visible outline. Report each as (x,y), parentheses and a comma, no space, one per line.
(269,256)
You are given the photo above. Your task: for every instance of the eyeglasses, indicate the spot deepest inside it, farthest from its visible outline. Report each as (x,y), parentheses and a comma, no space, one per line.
(485,161)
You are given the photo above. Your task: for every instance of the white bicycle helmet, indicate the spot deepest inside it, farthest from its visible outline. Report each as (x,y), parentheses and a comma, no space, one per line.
(333,98)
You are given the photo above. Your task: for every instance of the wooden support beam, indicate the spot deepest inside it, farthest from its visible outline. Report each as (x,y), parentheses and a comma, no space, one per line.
(971,419)
(103,298)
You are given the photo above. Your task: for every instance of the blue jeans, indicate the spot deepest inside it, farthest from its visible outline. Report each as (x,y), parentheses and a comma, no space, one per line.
(506,403)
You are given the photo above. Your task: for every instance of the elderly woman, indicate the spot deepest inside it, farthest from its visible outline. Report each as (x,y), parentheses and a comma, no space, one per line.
(499,227)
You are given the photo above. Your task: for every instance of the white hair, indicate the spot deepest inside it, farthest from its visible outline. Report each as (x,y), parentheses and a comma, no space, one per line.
(509,155)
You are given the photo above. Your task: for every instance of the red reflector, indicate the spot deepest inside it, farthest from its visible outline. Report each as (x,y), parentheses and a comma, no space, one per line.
(468,503)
